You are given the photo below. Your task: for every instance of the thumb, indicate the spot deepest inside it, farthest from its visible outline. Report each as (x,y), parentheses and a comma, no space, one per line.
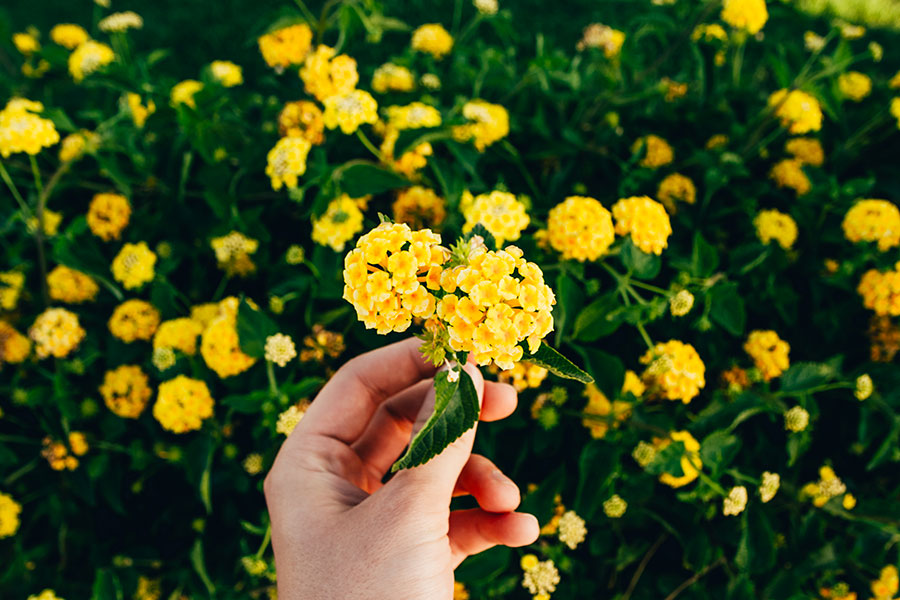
(435,480)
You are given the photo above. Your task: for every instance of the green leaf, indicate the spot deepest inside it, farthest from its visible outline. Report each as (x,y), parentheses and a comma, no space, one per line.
(704,258)
(547,357)
(728,308)
(199,565)
(718,449)
(640,264)
(484,566)
(756,549)
(205,492)
(596,468)
(482,232)
(668,460)
(246,403)
(570,300)
(455,412)
(106,586)
(253,327)
(804,376)
(361,179)
(607,370)
(598,319)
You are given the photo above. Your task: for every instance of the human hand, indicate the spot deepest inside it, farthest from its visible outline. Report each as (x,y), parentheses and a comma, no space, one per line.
(338,532)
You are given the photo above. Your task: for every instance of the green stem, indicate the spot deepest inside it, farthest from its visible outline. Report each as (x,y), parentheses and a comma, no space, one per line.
(843,385)
(307,14)
(39,229)
(708,481)
(37,174)
(645,335)
(738,62)
(265,543)
(649,288)
(221,289)
(369,145)
(270,374)
(23,206)
(20,472)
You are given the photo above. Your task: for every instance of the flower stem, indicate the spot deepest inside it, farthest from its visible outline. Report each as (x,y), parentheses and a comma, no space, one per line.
(369,145)
(270,373)
(14,191)
(265,543)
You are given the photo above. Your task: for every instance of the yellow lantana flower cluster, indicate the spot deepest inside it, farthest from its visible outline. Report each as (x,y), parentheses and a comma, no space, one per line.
(71,286)
(183,92)
(603,37)
(895,110)
(580,228)
(419,207)
(178,334)
(88,58)
(9,515)
(286,46)
(827,487)
(387,277)
(11,284)
(321,343)
(776,225)
(121,21)
(674,371)
(134,320)
(645,220)
(798,111)
(302,119)
(182,404)
(74,145)
(500,213)
(286,161)
(108,215)
(749,15)
(413,116)
(540,577)
(14,347)
(342,220)
(290,418)
(233,253)
(325,74)
(391,77)
(690,460)
(56,332)
(139,112)
(134,265)
(807,150)
(769,353)
(523,375)
(349,111)
(674,188)
(126,391)
(601,415)
(432,39)
(21,130)
(881,291)
(854,85)
(788,173)
(657,151)
(69,35)
(489,123)
(226,73)
(887,584)
(220,346)
(873,221)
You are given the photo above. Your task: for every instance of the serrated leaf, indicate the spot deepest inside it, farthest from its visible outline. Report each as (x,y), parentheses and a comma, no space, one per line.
(361,179)
(456,410)
(253,327)
(547,357)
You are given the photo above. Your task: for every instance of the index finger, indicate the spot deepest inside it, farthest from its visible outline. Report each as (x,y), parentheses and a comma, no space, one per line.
(346,404)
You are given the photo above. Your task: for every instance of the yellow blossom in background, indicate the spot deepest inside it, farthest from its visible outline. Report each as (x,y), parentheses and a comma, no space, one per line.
(644,453)
(253,464)
(788,173)
(286,46)
(645,220)
(134,320)
(11,284)
(432,39)
(775,225)
(690,460)
(769,486)
(133,266)
(21,130)
(204,314)
(887,584)
(413,116)
(796,419)
(178,334)
(56,332)
(45,595)
(735,502)
(71,286)
(349,111)
(813,42)
(220,346)
(52,220)
(864,387)
(139,112)
(295,255)
(489,123)
(602,37)
(798,111)
(572,530)
(148,589)
(674,90)
(523,375)
(57,455)
(338,224)
(78,443)
(459,591)
(302,119)
(321,343)
(233,253)
(430,81)
(717,141)
(806,150)
(873,221)
(881,291)
(14,347)
(26,43)
(9,515)
(709,32)
(121,21)
(381,279)
(286,161)
(749,15)
(290,418)
(580,228)
(411,160)
(280,349)
(895,110)
(611,413)
(769,353)
(391,77)
(500,213)
(108,215)
(540,577)
(74,145)
(674,371)
(126,391)
(88,58)
(633,384)
(656,151)
(419,207)
(675,187)
(226,73)
(182,404)
(614,507)
(827,487)
(183,92)
(325,75)
(69,35)
(681,303)
(854,85)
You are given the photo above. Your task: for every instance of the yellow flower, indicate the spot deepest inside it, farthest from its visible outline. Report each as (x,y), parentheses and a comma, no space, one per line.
(572,530)
(854,85)
(500,213)
(280,349)
(717,141)
(391,77)
(645,220)
(769,486)
(735,502)
(690,460)
(75,145)
(350,110)
(290,418)
(806,150)
(56,332)
(433,39)
(45,595)
(68,35)
(413,116)
(71,286)
(183,92)
(489,123)
(14,347)
(321,343)
(9,515)
(226,73)
(134,320)
(614,506)
(302,119)
(338,224)
(78,443)
(827,487)
(676,188)
(799,112)
(26,43)
(233,253)
(775,225)
(674,90)
(681,303)
(325,74)
(287,161)
(459,591)
(749,15)
(88,58)
(541,578)
(126,391)
(580,228)
(603,37)
(147,589)
(253,464)
(610,413)
(411,161)
(220,346)
(887,584)
(21,130)
(873,221)
(419,207)
(182,404)
(633,384)
(139,112)
(57,455)
(709,32)
(657,151)
(178,334)
(286,46)
(895,110)
(769,353)
(523,375)
(674,371)
(121,21)
(788,173)
(864,387)
(881,291)
(133,266)
(108,215)
(813,42)
(11,284)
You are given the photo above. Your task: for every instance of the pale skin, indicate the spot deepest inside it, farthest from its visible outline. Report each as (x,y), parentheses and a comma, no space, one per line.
(339,532)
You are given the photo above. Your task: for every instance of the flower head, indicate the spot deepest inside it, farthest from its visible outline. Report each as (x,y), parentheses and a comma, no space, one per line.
(9,515)
(183,92)
(827,487)
(749,15)
(287,161)
(674,371)
(788,173)
(656,151)
(614,506)
(769,486)
(290,418)
(602,37)
(220,345)
(134,320)
(325,74)
(182,404)
(68,35)
(26,43)
(302,119)
(681,303)
(500,213)
(71,286)
(280,349)
(391,77)
(133,266)
(433,39)
(233,253)
(139,112)
(226,73)
(286,46)
(854,85)
(338,224)
(540,577)
(601,414)
(735,502)
(690,460)
(799,112)
(56,332)
(572,530)
(108,215)
(419,207)
(349,111)
(864,387)
(676,188)
(645,220)
(769,353)
(796,419)
(776,225)
(881,291)
(178,334)
(121,21)
(21,130)
(88,58)
(580,228)
(126,391)
(873,221)
(14,347)
(488,123)
(807,150)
